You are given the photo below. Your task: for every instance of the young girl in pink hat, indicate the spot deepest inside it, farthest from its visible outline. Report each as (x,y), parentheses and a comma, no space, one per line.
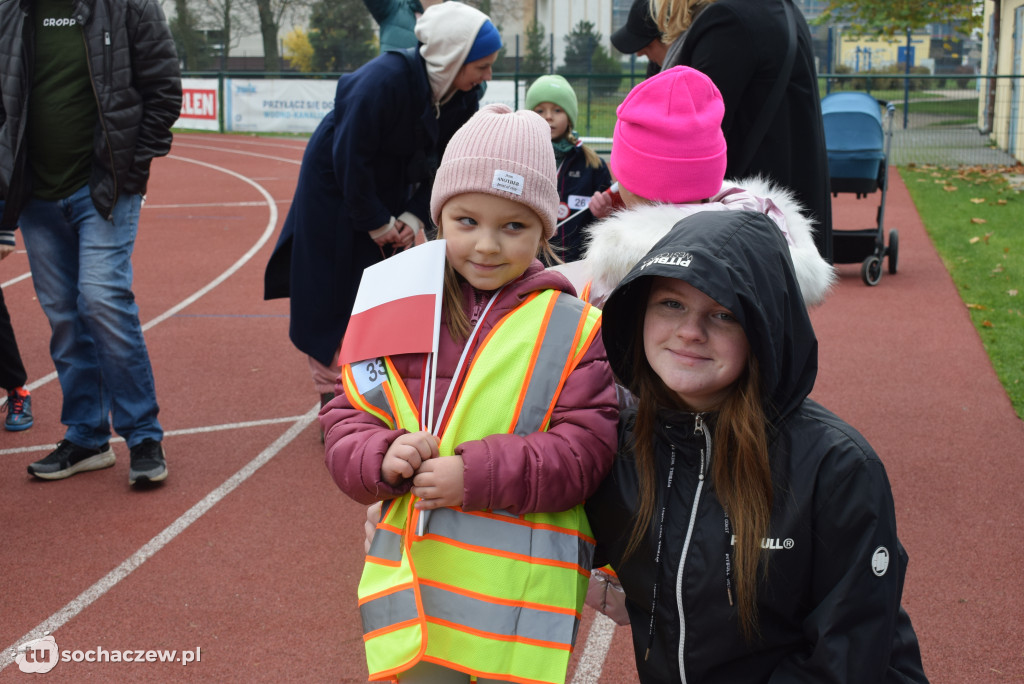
(480,561)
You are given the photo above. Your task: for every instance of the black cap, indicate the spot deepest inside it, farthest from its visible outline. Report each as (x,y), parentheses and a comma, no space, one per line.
(639,30)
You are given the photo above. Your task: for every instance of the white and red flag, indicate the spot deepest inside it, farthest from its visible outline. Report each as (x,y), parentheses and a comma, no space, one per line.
(398,306)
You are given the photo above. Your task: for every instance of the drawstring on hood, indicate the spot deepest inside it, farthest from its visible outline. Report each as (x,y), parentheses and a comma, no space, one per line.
(447,32)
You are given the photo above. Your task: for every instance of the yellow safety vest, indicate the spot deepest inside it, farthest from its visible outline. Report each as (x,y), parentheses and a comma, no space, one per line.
(486,592)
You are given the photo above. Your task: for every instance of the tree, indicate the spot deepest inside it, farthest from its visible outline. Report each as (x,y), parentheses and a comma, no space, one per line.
(889,17)
(341,33)
(298,50)
(584,54)
(270,14)
(230,21)
(536,58)
(187,37)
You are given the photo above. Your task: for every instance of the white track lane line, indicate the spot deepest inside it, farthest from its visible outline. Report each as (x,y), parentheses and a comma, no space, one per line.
(271,226)
(97,590)
(299,144)
(241,425)
(599,640)
(149,549)
(297,162)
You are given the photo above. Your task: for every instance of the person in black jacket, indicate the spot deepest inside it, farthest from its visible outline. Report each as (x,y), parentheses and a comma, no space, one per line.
(742,46)
(753,531)
(89,90)
(581,172)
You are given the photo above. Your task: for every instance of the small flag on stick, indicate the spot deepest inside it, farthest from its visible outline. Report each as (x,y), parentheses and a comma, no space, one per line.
(398,306)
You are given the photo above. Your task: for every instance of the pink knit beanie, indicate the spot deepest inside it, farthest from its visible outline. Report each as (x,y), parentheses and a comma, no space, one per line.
(668,144)
(503,153)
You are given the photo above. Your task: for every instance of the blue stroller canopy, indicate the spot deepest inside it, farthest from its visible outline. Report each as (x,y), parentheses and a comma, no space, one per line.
(853,126)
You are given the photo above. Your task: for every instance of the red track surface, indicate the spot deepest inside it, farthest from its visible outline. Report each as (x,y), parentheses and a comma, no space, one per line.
(251,554)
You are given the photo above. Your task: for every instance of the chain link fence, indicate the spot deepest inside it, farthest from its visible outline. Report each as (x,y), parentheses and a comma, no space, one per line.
(943,120)
(938,119)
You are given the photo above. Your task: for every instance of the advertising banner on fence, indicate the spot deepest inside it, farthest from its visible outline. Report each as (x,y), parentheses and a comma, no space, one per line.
(276,105)
(199,103)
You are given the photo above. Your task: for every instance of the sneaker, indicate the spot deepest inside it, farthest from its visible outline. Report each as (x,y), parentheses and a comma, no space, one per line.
(148,463)
(69,458)
(19,410)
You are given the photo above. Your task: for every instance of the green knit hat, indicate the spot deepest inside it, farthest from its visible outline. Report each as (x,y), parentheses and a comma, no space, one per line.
(556,90)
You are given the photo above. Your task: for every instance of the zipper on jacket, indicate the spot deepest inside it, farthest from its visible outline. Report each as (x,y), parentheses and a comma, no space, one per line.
(657,551)
(99,112)
(699,430)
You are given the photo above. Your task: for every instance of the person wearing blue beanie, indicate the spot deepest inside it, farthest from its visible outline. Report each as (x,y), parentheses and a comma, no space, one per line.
(488,41)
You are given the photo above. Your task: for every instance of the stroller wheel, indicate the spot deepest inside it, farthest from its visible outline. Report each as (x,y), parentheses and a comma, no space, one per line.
(871,270)
(893,251)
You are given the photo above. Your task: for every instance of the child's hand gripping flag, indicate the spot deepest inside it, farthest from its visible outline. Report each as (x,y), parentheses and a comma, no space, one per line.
(398,311)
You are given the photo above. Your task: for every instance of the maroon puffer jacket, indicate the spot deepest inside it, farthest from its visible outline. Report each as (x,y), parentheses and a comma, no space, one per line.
(542,472)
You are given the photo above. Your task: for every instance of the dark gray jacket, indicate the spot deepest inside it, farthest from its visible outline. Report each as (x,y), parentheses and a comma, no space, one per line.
(137,81)
(829,600)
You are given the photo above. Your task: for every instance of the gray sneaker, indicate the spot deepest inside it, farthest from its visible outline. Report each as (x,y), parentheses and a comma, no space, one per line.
(69,458)
(148,463)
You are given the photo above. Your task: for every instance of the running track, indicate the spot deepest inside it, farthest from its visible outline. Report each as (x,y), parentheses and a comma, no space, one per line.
(251,554)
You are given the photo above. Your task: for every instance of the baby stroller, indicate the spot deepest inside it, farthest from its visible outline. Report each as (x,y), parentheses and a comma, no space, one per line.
(858,153)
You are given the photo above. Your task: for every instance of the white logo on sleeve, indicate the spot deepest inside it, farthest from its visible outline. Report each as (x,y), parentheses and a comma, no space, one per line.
(880,561)
(508,181)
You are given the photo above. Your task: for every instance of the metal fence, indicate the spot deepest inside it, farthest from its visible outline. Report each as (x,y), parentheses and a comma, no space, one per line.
(946,120)
(938,119)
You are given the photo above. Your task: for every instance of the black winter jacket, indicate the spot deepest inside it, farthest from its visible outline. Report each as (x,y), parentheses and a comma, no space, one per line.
(741,46)
(829,606)
(576,183)
(137,81)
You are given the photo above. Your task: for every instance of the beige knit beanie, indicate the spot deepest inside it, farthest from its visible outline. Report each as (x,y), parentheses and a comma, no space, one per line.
(503,153)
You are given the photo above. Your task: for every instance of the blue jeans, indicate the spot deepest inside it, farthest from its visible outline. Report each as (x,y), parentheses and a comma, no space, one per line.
(82,271)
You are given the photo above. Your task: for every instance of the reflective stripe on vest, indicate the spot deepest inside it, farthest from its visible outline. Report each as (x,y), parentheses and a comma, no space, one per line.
(512,609)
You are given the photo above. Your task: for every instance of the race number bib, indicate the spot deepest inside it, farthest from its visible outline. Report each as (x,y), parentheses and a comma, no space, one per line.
(579,202)
(369,374)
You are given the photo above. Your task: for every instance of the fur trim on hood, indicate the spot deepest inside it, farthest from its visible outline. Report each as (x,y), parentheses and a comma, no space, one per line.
(447,32)
(618,242)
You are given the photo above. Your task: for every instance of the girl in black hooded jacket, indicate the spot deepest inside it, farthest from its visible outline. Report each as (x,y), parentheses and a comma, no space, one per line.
(753,531)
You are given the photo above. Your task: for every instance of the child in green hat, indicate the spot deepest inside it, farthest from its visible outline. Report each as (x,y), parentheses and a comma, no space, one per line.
(581,172)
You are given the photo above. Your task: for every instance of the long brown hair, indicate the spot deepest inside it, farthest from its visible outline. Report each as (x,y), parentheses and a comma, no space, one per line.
(740,468)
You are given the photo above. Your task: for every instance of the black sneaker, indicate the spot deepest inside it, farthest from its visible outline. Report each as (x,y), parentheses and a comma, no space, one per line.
(69,458)
(148,463)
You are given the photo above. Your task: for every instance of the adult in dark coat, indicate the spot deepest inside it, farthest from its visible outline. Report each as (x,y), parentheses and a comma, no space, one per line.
(741,45)
(364,186)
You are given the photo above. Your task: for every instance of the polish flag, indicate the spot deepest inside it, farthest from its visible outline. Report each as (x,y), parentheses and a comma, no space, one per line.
(398,305)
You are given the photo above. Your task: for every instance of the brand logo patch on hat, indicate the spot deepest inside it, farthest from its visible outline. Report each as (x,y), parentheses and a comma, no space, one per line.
(681,259)
(508,181)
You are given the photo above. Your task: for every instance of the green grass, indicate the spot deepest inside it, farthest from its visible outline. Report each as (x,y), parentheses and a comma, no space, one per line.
(967,108)
(976,221)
